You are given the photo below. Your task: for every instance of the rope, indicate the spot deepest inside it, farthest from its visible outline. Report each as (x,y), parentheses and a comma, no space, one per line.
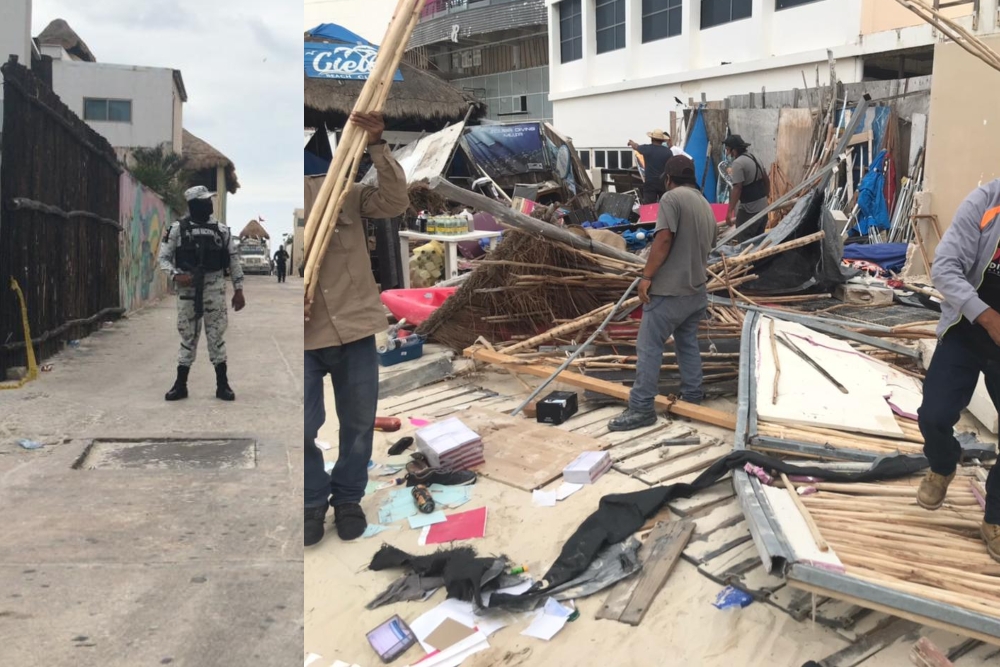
(32,364)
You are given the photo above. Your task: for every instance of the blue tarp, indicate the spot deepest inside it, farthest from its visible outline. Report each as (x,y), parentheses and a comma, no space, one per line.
(338,33)
(890,256)
(314,164)
(873,211)
(697,148)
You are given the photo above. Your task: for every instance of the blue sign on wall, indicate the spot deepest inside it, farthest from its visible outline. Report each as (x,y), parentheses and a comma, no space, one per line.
(341,61)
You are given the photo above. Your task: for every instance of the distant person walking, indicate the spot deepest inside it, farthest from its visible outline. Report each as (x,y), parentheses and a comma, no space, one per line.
(751,187)
(655,155)
(281,263)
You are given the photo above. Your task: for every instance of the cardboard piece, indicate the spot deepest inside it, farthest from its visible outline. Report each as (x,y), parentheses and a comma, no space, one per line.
(447,634)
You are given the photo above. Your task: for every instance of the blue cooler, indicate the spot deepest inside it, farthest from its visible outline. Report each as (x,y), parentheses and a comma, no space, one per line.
(409,348)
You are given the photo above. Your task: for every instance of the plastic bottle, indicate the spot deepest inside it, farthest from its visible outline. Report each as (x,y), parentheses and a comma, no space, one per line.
(470,223)
(432,224)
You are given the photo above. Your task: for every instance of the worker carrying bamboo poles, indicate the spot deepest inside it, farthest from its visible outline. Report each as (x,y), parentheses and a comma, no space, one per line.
(196,252)
(966,272)
(340,326)
(751,186)
(673,291)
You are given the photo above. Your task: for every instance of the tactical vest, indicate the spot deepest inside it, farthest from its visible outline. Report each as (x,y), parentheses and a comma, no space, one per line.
(201,246)
(755,190)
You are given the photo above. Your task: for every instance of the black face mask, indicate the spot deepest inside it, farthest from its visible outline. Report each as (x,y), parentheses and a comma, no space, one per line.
(200,209)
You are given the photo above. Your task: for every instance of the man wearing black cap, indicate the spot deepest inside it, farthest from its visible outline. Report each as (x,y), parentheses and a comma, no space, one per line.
(673,292)
(751,186)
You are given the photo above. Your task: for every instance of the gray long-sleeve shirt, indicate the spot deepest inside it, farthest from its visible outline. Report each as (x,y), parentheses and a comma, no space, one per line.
(168,249)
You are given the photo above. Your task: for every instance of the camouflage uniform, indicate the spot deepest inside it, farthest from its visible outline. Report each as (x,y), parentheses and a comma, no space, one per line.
(216,308)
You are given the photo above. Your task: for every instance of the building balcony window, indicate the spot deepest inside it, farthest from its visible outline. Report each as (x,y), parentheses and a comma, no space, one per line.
(570,30)
(660,19)
(717,12)
(434,8)
(610,25)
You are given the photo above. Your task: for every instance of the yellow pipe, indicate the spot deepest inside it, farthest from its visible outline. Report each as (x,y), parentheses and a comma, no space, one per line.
(32,364)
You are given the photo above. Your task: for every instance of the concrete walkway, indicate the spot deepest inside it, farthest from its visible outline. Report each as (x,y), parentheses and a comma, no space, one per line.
(165,564)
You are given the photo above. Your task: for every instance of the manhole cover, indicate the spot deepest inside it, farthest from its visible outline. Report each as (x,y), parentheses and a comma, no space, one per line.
(169,454)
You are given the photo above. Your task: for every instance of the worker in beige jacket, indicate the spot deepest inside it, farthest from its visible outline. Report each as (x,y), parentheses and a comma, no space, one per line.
(340,327)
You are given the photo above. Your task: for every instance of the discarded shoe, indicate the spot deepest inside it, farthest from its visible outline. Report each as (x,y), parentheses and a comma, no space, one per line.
(350,521)
(933,489)
(222,389)
(631,420)
(314,529)
(991,535)
(180,389)
(430,476)
(400,446)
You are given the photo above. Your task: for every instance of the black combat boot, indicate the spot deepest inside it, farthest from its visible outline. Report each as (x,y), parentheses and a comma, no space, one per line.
(222,388)
(180,388)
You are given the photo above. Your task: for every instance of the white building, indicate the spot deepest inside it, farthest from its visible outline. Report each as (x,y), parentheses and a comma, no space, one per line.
(132,107)
(628,60)
(15,36)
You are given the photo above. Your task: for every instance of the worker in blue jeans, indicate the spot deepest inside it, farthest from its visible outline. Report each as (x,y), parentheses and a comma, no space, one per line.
(673,291)
(340,326)
(966,271)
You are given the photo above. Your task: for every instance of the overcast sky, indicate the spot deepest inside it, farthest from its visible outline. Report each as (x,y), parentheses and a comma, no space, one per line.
(367,18)
(242,66)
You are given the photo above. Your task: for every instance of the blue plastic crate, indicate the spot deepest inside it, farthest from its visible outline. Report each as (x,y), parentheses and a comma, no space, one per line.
(401,354)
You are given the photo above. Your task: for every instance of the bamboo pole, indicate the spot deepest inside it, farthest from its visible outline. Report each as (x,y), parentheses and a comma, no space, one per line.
(804,511)
(322,220)
(593,317)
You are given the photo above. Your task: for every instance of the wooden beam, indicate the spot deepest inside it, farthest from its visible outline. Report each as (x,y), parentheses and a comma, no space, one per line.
(680,408)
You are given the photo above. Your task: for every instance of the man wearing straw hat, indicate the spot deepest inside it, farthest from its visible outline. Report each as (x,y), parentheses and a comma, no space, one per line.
(654,156)
(966,271)
(340,327)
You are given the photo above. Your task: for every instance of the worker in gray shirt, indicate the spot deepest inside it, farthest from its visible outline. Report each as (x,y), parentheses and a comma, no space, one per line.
(673,293)
(751,187)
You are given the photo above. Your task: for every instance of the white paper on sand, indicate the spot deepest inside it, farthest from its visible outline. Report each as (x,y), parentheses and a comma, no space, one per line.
(548,621)
(541,498)
(311,658)
(796,531)
(455,655)
(341,663)
(517,589)
(462,612)
(864,408)
(325,446)
(566,489)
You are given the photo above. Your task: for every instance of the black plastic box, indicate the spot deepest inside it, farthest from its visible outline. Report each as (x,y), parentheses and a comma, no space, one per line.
(557,407)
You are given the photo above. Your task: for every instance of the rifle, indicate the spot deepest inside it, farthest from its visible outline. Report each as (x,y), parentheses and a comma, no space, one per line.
(199,283)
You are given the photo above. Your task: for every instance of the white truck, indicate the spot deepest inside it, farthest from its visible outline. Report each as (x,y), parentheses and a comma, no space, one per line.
(255,256)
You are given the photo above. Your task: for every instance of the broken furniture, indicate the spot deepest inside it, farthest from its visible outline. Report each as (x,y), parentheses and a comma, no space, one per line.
(450,243)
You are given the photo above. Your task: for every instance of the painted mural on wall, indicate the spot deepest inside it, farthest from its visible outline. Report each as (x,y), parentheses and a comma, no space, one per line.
(144,218)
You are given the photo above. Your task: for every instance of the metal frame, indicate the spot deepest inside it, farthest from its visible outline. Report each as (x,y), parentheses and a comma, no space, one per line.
(774,549)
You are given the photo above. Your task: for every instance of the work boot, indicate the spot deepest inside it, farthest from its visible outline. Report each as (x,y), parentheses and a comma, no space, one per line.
(222,388)
(350,521)
(991,535)
(933,489)
(314,529)
(631,420)
(180,388)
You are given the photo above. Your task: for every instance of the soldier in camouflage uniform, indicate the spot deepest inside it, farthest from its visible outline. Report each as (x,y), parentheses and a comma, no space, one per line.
(199,248)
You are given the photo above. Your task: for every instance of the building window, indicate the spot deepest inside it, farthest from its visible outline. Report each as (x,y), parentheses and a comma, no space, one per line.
(660,19)
(114,111)
(599,159)
(785,4)
(610,25)
(717,12)
(570,30)
(585,159)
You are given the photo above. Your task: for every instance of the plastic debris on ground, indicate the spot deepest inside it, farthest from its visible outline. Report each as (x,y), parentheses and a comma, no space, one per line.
(30,444)
(399,503)
(422,520)
(730,598)
(549,620)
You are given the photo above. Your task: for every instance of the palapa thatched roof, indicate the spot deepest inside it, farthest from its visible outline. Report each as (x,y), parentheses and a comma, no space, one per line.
(254,230)
(59,33)
(421,101)
(199,155)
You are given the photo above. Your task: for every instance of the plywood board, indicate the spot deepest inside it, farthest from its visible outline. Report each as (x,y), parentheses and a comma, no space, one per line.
(805,397)
(794,142)
(759,128)
(523,453)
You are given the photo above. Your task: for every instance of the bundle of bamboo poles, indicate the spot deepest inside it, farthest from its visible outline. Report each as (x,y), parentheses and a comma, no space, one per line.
(344,169)
(881,535)
(954,31)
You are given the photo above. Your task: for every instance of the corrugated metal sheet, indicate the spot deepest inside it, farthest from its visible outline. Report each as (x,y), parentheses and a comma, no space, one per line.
(481,20)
